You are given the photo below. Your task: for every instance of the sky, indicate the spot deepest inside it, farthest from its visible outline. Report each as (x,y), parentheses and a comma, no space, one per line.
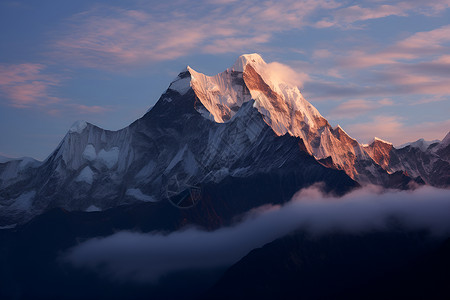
(377,68)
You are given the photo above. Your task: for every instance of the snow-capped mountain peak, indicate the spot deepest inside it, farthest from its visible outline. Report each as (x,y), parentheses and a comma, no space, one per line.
(182,83)
(377,139)
(281,105)
(222,95)
(253,59)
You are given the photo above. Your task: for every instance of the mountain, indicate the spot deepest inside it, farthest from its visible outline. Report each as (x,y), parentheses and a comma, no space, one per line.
(389,264)
(237,129)
(429,161)
(420,143)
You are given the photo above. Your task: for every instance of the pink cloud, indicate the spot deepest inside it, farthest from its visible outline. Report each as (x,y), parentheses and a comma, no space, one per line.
(228,44)
(427,40)
(432,77)
(86,109)
(409,67)
(109,37)
(74,109)
(356,107)
(444,59)
(26,84)
(345,17)
(418,45)
(322,53)
(360,59)
(393,129)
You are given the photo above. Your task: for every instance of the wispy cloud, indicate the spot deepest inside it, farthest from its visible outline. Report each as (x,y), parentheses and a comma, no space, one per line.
(107,36)
(29,86)
(421,45)
(394,129)
(76,109)
(416,65)
(356,107)
(347,16)
(24,85)
(89,109)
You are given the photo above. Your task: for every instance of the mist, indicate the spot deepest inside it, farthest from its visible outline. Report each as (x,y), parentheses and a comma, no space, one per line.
(146,257)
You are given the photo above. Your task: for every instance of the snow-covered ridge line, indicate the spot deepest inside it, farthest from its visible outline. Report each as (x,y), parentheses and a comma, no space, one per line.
(381,140)
(420,143)
(281,105)
(251,78)
(222,95)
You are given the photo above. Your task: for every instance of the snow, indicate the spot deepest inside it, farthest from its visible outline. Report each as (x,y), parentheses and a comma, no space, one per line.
(146,171)
(342,129)
(184,155)
(89,153)
(420,144)
(446,140)
(27,162)
(205,114)
(78,126)
(93,208)
(137,193)
(219,93)
(190,164)
(245,59)
(222,93)
(380,140)
(109,158)
(23,202)
(86,175)
(181,85)
(176,159)
(150,108)
(253,130)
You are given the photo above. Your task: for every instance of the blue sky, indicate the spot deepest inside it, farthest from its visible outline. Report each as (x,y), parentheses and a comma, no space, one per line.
(377,68)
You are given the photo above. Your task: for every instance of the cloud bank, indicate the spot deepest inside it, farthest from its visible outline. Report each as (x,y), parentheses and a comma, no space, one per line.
(146,257)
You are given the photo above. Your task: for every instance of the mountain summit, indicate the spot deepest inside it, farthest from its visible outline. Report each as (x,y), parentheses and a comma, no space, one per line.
(239,139)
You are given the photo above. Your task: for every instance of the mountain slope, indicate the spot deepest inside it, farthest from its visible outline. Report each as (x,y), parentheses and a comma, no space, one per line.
(372,265)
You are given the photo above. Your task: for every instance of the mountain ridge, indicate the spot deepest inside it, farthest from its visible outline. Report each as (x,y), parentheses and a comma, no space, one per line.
(236,124)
